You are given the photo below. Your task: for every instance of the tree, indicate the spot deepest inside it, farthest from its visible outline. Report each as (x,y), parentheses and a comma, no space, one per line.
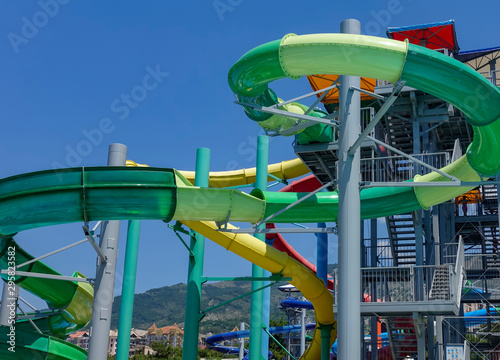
(209,354)
(278,352)
(166,351)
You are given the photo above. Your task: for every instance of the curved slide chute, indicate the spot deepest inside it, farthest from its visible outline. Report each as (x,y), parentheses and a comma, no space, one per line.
(288,169)
(213,340)
(74,195)
(391,60)
(83,194)
(70,301)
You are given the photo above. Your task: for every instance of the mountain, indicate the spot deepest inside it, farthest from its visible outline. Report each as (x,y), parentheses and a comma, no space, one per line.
(166,305)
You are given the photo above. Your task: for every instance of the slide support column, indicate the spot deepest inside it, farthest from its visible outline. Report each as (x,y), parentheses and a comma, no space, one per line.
(326,333)
(260,307)
(322,254)
(303,330)
(195,270)
(241,353)
(373,263)
(105,276)
(128,290)
(349,217)
(498,202)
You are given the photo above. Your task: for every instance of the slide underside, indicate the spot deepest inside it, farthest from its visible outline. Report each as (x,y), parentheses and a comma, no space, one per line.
(87,194)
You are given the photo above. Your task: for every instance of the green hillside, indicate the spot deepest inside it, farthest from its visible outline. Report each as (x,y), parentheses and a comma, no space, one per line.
(165,306)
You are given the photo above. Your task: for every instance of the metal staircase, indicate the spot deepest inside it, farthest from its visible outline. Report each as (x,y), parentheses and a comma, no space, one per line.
(489,199)
(491,238)
(402,336)
(401,232)
(400,133)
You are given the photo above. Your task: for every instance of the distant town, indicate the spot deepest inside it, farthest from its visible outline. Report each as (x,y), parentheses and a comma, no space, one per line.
(142,342)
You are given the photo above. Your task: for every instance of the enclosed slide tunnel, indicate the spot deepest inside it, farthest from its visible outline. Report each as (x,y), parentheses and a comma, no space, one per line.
(72,195)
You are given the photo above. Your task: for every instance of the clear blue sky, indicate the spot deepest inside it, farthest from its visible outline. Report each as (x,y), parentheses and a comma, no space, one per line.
(69,67)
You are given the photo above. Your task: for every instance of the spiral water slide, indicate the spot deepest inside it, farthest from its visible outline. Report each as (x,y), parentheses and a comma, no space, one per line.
(100,193)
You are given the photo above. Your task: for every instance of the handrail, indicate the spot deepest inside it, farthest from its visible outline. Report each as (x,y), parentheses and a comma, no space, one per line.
(410,283)
(459,272)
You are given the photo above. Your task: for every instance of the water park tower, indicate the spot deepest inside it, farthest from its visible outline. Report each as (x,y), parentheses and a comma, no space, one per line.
(415,129)
(426,243)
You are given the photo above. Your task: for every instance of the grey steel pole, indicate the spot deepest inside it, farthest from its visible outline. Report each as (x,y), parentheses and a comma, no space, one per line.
(437,261)
(9,304)
(498,203)
(373,263)
(105,274)
(302,331)
(241,354)
(349,295)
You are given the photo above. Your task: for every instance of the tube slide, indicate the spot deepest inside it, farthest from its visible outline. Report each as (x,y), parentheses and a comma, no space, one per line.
(71,303)
(213,340)
(386,59)
(48,197)
(285,170)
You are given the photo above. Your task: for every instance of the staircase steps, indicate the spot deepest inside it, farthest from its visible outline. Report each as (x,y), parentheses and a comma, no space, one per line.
(490,199)
(400,134)
(402,337)
(401,232)
(440,287)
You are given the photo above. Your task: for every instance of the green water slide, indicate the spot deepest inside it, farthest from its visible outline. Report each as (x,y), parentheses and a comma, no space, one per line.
(427,70)
(70,303)
(102,193)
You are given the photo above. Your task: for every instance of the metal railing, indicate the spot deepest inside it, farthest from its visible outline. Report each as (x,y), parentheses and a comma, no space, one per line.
(406,284)
(383,254)
(492,76)
(459,273)
(399,168)
(366,115)
(482,269)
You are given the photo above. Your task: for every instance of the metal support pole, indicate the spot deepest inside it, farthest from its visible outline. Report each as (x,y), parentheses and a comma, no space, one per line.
(326,333)
(128,290)
(195,271)
(419,255)
(302,331)
(431,345)
(322,254)
(349,294)
(436,213)
(260,307)
(439,337)
(498,201)
(9,304)
(420,332)
(373,263)
(241,354)
(492,72)
(105,274)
